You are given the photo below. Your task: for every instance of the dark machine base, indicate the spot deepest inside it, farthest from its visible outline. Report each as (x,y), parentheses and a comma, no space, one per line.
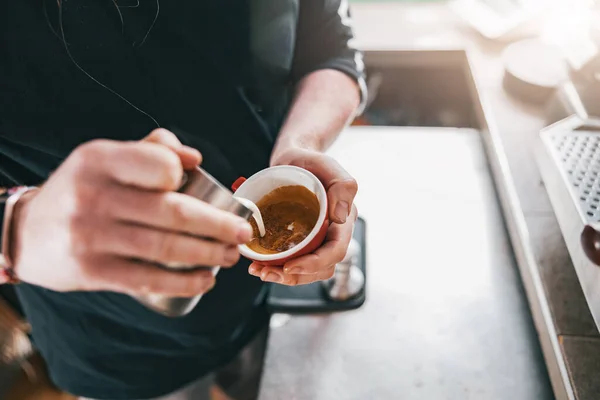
(312,298)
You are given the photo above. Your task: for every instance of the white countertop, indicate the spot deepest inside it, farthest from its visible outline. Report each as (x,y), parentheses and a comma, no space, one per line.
(445,317)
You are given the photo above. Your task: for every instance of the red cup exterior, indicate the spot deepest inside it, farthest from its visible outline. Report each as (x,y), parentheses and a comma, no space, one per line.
(238,182)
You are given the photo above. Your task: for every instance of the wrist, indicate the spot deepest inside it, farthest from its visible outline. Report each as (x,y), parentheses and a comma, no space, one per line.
(291,143)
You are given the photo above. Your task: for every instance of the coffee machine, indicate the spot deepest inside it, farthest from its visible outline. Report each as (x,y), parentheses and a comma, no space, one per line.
(568,157)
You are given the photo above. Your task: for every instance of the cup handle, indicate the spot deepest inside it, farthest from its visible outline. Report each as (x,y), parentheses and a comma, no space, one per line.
(238,182)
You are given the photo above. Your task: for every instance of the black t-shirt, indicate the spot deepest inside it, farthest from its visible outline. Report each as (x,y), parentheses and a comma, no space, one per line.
(192,68)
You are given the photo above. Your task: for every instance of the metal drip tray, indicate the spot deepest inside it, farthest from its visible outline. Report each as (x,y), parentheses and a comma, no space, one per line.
(578,154)
(568,155)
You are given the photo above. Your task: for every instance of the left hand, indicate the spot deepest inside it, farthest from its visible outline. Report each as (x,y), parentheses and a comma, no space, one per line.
(341,190)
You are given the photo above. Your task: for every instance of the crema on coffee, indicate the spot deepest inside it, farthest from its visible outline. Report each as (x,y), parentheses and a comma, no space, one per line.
(289,213)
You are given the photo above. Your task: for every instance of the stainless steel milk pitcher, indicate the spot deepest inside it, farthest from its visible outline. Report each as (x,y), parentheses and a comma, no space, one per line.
(201,185)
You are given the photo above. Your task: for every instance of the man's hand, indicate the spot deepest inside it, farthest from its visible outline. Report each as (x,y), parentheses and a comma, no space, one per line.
(110,213)
(341,190)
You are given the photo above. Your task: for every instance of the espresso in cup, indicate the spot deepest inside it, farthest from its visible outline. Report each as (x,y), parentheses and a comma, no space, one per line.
(289,214)
(284,242)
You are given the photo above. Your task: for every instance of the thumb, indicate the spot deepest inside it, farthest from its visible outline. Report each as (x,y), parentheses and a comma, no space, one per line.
(340,185)
(340,194)
(188,156)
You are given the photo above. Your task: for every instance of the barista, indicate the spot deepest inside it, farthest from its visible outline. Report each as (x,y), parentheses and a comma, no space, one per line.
(86,88)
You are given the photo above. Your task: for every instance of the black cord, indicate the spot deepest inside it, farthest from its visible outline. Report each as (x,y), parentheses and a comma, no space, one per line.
(64,40)
(151,25)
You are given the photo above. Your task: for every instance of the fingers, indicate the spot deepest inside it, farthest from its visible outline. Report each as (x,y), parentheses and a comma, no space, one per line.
(314,267)
(276,275)
(331,252)
(341,187)
(176,212)
(188,156)
(155,163)
(340,196)
(141,164)
(137,277)
(163,247)
(146,166)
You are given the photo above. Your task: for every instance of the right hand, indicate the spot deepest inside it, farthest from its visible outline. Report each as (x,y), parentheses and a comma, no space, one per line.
(113,203)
